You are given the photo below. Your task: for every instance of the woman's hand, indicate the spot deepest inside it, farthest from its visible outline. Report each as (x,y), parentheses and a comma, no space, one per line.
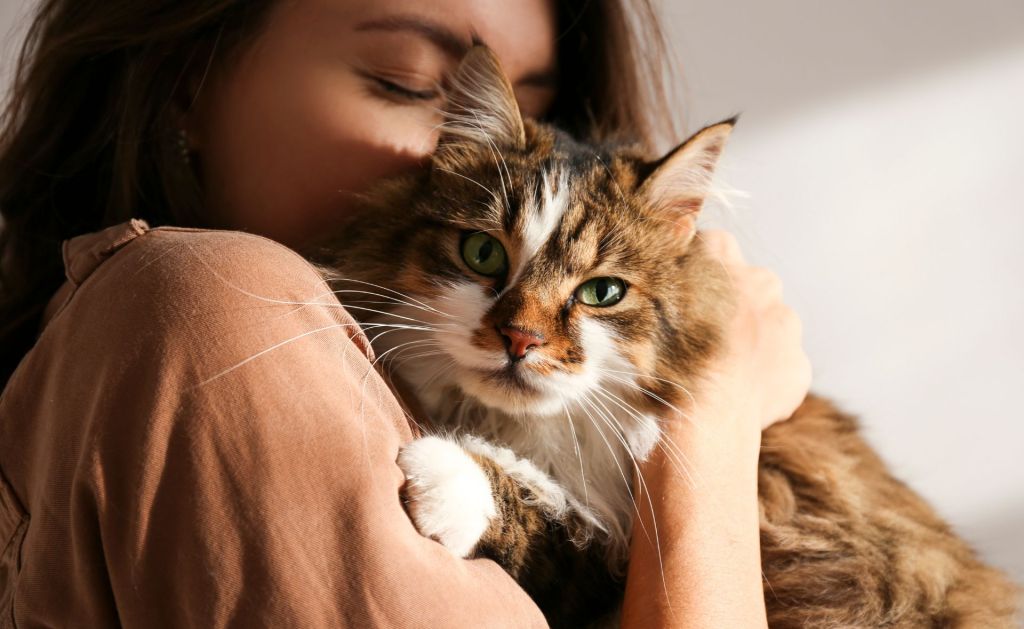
(763,371)
(695,558)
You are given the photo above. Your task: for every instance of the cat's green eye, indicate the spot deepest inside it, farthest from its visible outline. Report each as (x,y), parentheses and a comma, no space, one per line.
(484,254)
(601,291)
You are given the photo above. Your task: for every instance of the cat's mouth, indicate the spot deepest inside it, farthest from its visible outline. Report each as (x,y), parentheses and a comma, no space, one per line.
(511,389)
(512,377)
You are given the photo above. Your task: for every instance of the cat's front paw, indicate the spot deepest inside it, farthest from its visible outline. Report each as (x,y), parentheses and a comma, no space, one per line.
(447,495)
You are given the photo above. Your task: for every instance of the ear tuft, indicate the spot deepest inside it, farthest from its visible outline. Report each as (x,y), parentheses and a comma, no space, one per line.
(480,106)
(678,183)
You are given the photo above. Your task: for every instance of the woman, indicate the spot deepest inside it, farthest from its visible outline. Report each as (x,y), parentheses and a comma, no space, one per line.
(195,438)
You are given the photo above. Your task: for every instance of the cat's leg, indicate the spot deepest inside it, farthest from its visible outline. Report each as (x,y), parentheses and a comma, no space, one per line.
(478,499)
(481,500)
(532,508)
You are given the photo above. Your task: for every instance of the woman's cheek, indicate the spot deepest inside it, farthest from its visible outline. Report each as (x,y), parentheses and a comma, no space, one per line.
(350,146)
(396,134)
(287,162)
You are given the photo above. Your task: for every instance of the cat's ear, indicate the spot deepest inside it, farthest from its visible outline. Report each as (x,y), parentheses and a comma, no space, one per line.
(480,108)
(677,184)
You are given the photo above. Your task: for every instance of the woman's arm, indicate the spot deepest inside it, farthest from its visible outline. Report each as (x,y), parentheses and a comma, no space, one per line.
(200,441)
(704,570)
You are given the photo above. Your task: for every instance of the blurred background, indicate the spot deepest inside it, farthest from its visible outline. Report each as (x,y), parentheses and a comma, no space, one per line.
(881,151)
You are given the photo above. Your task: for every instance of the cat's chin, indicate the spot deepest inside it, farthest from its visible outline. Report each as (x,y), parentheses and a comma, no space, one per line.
(511,396)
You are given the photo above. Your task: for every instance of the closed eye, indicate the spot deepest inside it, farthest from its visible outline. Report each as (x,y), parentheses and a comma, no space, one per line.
(395,91)
(406,93)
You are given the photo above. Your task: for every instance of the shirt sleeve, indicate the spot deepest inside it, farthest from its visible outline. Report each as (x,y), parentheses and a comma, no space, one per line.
(239,459)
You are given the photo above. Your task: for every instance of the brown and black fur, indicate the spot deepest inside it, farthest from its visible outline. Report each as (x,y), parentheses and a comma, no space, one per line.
(539,553)
(844,544)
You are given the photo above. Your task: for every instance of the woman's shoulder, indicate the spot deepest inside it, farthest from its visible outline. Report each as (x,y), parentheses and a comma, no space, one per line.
(204,260)
(194,287)
(171,263)
(197,330)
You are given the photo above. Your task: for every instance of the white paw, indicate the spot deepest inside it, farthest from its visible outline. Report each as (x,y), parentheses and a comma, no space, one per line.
(448,495)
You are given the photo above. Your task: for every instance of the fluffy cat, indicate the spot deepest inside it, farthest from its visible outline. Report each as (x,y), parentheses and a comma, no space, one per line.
(545,302)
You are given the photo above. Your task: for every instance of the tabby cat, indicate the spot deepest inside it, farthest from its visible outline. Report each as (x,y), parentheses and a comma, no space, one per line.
(546,301)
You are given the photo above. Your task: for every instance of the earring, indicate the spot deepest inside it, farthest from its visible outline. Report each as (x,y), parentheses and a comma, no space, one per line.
(183,150)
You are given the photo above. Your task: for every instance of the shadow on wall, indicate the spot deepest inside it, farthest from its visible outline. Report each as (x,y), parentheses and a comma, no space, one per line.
(784,54)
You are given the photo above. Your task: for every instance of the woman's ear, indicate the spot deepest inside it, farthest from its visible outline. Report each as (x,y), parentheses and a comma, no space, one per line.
(188,104)
(677,184)
(480,108)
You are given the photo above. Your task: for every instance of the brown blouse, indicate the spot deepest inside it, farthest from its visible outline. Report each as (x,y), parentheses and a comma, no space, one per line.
(198,439)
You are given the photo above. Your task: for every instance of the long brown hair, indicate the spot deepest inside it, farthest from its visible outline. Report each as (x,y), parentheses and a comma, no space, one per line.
(89,133)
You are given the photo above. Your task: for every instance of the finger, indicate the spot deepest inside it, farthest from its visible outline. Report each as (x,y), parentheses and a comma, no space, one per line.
(765,282)
(723,246)
(807,372)
(788,317)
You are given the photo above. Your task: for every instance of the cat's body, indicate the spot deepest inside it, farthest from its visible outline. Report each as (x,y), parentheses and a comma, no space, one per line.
(845,544)
(547,303)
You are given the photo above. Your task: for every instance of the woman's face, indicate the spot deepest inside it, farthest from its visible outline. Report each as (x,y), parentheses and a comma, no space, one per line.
(334,94)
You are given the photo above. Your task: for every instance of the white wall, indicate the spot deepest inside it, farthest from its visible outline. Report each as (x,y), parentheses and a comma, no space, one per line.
(882,146)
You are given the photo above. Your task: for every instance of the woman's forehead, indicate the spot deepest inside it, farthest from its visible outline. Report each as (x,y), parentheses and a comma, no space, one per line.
(521,32)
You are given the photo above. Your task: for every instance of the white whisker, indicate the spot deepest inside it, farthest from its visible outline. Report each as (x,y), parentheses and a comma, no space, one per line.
(678,459)
(648,393)
(390,290)
(579,453)
(647,493)
(274,347)
(615,459)
(493,194)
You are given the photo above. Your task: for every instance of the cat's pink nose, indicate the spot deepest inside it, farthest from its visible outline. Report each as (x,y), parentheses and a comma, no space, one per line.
(520,341)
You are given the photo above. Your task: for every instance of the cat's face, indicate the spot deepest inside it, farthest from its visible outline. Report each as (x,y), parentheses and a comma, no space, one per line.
(536,273)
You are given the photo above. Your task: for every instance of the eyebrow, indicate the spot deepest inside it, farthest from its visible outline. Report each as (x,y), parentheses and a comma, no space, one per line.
(442,36)
(446,39)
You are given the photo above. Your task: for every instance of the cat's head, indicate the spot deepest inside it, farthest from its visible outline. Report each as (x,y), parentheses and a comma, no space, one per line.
(531,272)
